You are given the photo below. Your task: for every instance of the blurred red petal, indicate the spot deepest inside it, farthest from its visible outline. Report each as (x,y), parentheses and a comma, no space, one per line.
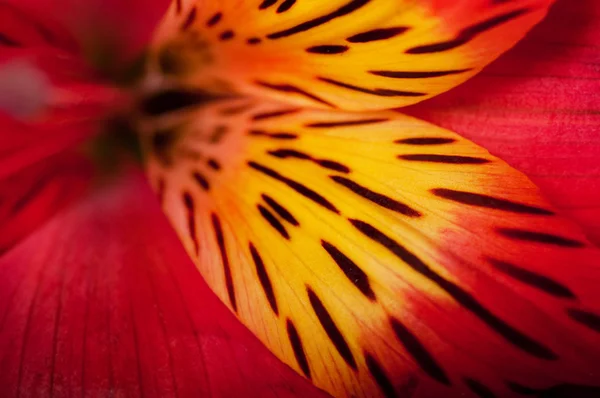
(538,108)
(32,196)
(104,301)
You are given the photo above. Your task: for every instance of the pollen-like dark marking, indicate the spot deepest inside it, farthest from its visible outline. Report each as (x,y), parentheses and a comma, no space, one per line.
(188,201)
(201,180)
(570,391)
(377,34)
(264,279)
(292,153)
(288,88)
(464,298)
(266,4)
(218,133)
(213,164)
(277,136)
(380,92)
(331,329)
(468,33)
(479,388)
(352,271)
(490,202)
(327,49)
(346,9)
(296,186)
(377,198)
(254,40)
(447,159)
(539,237)
(380,377)
(273,221)
(345,123)
(216,223)
(280,210)
(272,115)
(418,352)
(425,141)
(173,100)
(191,18)
(538,281)
(285,6)
(227,35)
(215,19)
(585,318)
(415,74)
(298,348)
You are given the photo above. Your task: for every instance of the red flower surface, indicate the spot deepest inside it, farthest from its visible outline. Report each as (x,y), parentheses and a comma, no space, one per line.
(356,251)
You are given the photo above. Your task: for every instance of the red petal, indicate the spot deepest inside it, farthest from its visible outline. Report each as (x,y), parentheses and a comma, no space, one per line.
(30,197)
(105,301)
(538,109)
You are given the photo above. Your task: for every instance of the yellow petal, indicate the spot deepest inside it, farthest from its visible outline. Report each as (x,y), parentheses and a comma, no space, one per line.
(378,254)
(348,54)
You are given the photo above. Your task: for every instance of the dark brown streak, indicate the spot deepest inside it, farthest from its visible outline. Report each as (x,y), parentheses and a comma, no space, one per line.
(273,221)
(189,20)
(264,279)
(214,20)
(285,6)
(461,296)
(539,237)
(478,388)
(298,348)
(334,334)
(352,271)
(415,74)
(419,353)
(490,202)
(325,163)
(188,201)
(468,33)
(377,34)
(380,92)
(271,115)
(345,123)
(330,49)
(540,282)
(201,180)
(216,223)
(585,318)
(280,210)
(377,198)
(425,141)
(380,377)
(447,159)
(313,23)
(296,186)
(288,88)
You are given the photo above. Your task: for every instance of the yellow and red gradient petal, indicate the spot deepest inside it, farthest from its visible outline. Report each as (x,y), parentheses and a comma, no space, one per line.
(542,119)
(378,254)
(348,54)
(103,300)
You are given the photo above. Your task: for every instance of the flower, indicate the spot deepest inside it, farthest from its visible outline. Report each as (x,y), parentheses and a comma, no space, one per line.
(101,300)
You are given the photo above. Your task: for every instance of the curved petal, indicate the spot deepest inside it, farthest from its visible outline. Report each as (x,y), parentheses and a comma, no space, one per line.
(103,301)
(378,254)
(542,118)
(351,54)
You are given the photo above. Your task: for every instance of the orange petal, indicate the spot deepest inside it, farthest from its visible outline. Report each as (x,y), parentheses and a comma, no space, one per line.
(349,54)
(378,254)
(542,119)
